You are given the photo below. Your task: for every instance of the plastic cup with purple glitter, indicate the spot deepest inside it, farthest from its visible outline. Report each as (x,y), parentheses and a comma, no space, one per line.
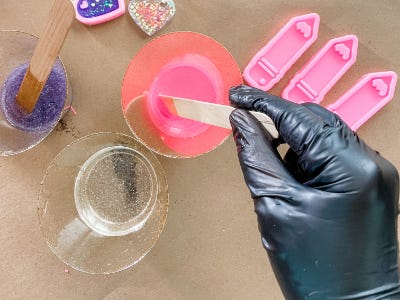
(20,130)
(48,108)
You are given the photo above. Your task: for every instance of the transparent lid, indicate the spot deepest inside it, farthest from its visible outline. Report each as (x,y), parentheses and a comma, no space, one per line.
(103,203)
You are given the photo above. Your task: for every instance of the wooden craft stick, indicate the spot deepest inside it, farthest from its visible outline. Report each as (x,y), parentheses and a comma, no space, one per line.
(45,54)
(210,113)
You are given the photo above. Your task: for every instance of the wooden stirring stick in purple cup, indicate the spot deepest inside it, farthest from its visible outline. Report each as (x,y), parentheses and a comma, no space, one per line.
(62,14)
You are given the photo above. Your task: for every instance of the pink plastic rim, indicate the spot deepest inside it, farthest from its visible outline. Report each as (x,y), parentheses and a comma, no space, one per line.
(181,64)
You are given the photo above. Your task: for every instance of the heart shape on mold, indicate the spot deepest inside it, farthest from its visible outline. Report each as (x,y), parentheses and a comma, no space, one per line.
(304,28)
(380,86)
(343,50)
(151,15)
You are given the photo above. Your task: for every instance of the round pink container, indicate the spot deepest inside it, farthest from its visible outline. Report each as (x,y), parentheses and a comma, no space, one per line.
(180,64)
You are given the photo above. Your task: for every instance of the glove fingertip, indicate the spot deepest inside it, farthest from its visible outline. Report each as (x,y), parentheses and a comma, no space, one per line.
(243,120)
(236,116)
(237,119)
(243,96)
(235,96)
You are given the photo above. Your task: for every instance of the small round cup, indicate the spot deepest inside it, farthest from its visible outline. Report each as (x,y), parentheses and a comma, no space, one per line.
(179,64)
(16,50)
(103,203)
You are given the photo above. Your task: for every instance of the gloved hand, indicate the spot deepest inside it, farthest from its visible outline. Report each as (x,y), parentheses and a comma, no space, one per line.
(327,212)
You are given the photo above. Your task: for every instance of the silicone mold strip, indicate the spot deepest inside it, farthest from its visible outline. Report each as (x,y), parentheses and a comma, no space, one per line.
(365,98)
(319,74)
(271,63)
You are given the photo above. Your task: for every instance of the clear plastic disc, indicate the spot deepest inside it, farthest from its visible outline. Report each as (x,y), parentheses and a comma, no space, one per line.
(103,203)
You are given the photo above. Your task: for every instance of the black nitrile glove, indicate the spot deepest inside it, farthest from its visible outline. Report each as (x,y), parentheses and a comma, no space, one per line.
(327,213)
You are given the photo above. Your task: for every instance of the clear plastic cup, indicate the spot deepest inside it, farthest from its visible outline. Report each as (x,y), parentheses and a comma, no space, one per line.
(16,50)
(103,203)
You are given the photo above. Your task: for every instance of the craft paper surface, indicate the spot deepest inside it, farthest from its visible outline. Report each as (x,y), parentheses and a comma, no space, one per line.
(210,247)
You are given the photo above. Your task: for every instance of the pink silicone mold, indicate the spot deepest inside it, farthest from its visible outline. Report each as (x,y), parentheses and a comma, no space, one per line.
(270,64)
(365,98)
(321,73)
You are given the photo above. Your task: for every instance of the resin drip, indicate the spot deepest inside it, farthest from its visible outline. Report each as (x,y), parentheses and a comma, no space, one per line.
(49,106)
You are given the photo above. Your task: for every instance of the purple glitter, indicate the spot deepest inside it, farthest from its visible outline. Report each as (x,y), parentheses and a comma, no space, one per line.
(95,8)
(48,108)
